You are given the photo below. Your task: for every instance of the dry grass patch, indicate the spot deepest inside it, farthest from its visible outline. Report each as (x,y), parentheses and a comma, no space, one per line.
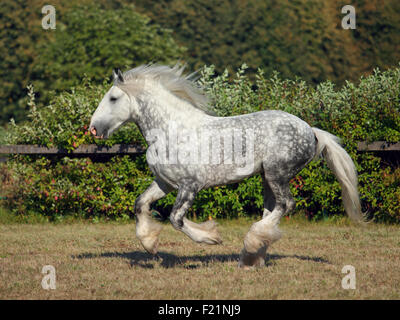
(106,261)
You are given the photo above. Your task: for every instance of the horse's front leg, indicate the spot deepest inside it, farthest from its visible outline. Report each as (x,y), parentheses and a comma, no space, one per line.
(147,230)
(205,232)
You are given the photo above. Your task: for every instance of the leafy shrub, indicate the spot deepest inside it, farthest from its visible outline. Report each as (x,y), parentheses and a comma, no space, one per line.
(2,135)
(368,111)
(75,186)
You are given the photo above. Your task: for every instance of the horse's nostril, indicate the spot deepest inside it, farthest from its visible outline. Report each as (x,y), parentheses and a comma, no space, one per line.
(93,131)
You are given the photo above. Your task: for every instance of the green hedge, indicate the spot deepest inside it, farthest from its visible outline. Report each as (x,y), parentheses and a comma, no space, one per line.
(368,111)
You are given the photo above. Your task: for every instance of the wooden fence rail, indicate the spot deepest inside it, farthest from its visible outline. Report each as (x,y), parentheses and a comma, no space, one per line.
(89,149)
(390,151)
(378,146)
(92,149)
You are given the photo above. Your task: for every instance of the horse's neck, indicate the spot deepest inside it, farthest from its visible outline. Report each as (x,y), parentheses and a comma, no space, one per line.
(164,109)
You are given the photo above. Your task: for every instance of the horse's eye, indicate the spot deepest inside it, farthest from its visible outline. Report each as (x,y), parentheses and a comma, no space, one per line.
(113,99)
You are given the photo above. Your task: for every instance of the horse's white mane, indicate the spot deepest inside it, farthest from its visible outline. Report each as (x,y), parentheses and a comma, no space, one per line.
(182,86)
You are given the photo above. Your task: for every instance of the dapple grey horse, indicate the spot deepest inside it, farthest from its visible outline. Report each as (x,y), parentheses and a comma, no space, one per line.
(190,149)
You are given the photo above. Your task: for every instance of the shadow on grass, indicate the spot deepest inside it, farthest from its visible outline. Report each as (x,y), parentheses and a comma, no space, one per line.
(167,260)
(271,257)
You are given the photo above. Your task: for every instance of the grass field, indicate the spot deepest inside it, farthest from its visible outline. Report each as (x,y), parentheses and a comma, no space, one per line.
(106,261)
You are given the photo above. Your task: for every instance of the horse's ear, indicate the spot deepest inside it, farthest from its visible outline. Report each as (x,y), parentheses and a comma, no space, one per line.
(117,74)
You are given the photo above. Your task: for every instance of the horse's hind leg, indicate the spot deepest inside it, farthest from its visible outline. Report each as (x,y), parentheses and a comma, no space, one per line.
(147,230)
(205,232)
(264,232)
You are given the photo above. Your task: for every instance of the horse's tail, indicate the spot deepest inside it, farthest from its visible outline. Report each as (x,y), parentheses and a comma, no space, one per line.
(343,167)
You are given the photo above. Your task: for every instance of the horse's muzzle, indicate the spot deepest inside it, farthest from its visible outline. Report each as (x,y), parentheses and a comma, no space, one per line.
(93,131)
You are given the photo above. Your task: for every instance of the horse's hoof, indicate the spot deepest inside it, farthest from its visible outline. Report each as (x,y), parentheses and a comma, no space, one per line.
(205,232)
(150,244)
(213,237)
(215,240)
(250,260)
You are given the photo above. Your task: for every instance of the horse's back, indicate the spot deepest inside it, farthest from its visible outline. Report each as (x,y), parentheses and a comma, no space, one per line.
(283,143)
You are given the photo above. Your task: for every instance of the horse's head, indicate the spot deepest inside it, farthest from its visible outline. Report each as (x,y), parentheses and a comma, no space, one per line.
(114,110)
